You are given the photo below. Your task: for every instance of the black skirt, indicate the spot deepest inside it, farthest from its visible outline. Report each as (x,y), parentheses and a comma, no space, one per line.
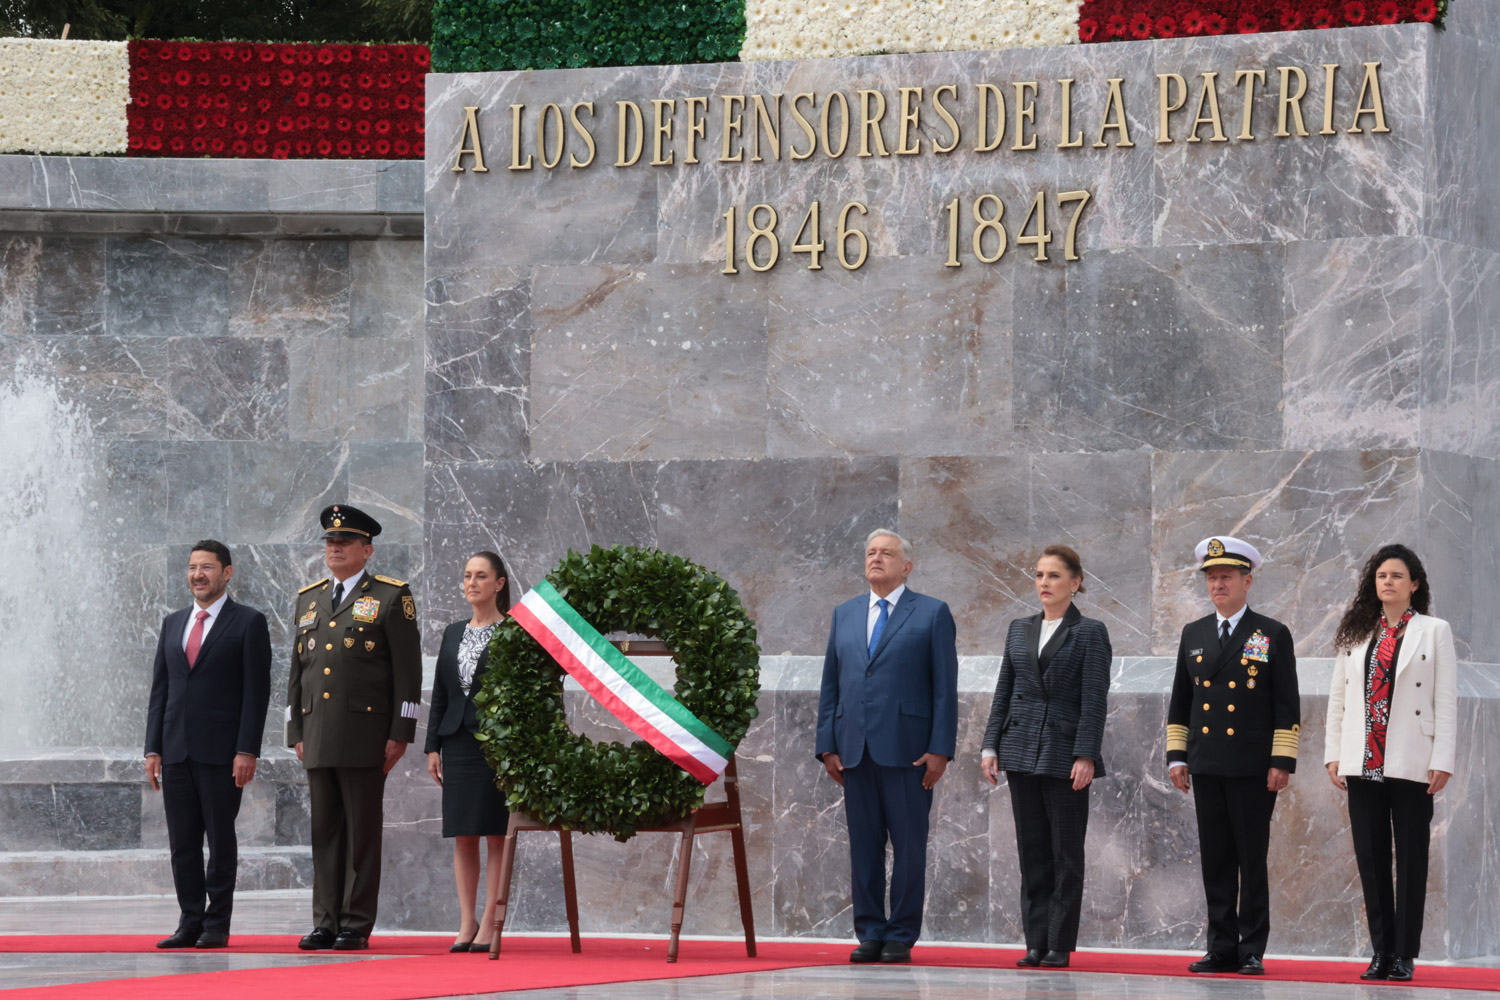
(472,805)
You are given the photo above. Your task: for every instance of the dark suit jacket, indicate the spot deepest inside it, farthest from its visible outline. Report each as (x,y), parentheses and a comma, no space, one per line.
(451,710)
(903,701)
(218,708)
(1235,711)
(1050,704)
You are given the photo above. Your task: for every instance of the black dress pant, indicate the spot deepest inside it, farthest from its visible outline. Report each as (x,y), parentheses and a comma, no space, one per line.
(1234,837)
(202,802)
(347,830)
(1051,823)
(1376,810)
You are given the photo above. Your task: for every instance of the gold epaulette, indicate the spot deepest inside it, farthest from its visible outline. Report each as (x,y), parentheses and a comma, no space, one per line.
(1176,737)
(390,580)
(310,586)
(1284,742)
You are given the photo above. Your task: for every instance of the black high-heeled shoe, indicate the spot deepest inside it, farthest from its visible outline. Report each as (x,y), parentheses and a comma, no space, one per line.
(459,946)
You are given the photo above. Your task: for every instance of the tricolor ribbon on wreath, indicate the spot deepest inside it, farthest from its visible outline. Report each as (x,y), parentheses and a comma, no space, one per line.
(623,688)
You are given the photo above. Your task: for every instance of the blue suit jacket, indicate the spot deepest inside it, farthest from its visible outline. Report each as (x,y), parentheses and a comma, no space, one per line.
(902,702)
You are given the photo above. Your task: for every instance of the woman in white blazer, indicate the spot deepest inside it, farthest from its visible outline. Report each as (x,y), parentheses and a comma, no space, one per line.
(1390,742)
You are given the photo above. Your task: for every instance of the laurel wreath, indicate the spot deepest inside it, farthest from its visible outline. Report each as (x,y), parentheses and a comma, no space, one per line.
(561,778)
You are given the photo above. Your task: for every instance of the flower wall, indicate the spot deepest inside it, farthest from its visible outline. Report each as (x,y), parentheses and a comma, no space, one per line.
(245,99)
(1123,20)
(63,97)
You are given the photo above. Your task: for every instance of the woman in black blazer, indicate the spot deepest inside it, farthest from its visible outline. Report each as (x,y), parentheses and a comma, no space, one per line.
(1045,731)
(472,806)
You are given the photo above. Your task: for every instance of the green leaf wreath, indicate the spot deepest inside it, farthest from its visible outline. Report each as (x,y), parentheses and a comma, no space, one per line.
(560,777)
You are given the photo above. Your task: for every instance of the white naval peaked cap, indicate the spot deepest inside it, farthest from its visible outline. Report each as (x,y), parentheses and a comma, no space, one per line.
(1224,550)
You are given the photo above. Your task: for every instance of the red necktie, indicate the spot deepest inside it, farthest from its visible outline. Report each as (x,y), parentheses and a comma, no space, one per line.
(195,638)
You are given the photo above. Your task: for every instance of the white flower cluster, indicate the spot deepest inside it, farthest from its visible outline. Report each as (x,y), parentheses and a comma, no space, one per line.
(805,29)
(63,97)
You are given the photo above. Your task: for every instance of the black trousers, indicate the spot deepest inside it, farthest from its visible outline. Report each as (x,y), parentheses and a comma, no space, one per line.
(1376,810)
(1051,823)
(347,829)
(201,802)
(1234,837)
(887,805)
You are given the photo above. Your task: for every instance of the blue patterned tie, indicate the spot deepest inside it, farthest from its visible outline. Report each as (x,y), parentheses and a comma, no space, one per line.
(884,616)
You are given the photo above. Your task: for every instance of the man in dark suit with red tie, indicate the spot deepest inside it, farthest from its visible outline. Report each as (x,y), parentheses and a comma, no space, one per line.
(204,720)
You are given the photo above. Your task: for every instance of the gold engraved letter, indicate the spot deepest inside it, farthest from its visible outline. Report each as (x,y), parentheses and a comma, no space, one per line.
(1329,69)
(558,130)
(805,126)
(843,125)
(1290,101)
(1165,105)
(516,110)
(1371,86)
(662,111)
(1025,112)
(983,145)
(471,128)
(1115,101)
(946,116)
(583,133)
(1067,117)
(1246,80)
(732,125)
(911,111)
(871,124)
(630,112)
(696,126)
(763,120)
(1208,95)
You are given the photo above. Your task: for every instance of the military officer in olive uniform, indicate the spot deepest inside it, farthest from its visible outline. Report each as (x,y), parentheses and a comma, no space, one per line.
(352,700)
(1233,725)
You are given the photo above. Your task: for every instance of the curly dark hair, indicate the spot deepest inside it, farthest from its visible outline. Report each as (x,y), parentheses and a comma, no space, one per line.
(1363,615)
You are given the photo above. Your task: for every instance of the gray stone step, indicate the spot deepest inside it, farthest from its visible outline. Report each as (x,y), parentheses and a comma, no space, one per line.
(140,871)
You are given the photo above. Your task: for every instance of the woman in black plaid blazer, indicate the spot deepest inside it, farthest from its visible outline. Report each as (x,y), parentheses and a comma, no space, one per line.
(1045,731)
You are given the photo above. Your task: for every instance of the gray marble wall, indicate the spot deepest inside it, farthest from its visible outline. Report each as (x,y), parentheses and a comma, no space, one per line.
(1286,339)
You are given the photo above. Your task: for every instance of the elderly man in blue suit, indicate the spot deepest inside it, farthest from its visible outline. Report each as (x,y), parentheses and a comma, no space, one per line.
(887,723)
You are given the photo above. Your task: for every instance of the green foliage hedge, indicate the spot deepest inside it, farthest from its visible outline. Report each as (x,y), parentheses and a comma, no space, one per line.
(471,36)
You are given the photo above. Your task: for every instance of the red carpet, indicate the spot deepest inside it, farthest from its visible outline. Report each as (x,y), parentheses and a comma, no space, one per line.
(534,963)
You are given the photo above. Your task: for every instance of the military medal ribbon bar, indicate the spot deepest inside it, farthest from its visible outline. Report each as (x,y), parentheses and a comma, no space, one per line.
(625,690)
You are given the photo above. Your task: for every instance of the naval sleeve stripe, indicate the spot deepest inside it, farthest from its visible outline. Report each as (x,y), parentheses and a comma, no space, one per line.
(409,709)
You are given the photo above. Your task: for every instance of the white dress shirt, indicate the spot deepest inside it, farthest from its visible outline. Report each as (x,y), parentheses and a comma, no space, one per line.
(208,623)
(874,614)
(350,583)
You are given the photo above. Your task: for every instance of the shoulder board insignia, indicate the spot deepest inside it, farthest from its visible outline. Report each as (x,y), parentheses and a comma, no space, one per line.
(310,586)
(390,580)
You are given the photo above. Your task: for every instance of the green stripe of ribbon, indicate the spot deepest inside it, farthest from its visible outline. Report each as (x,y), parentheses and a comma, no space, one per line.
(632,674)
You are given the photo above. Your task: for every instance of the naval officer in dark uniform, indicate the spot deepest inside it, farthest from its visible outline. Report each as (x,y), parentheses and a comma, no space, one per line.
(1233,725)
(352,700)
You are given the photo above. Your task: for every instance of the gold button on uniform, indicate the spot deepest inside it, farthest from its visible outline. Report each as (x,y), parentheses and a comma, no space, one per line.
(1231,708)
(1205,730)
(329,646)
(1231,683)
(327,671)
(326,696)
(1205,706)
(1229,731)
(1243,661)
(1199,660)
(1208,684)
(333,624)
(369,708)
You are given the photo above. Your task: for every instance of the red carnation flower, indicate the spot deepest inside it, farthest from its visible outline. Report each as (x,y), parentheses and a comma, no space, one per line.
(383,81)
(221,100)
(1248,24)
(342,124)
(239,147)
(226,52)
(304,122)
(422,56)
(324,147)
(247,53)
(143,98)
(219,121)
(419,149)
(303,147)
(259,146)
(345,147)
(325,57)
(242,84)
(303,99)
(263,79)
(404,77)
(419,103)
(1215,24)
(403,127)
(325,78)
(263,105)
(1322,18)
(262,126)
(1388,12)
(383,127)
(199,121)
(216,145)
(226,81)
(177,144)
(383,54)
(320,123)
(288,55)
(361,146)
(280,154)
(382,147)
(382,104)
(362,127)
(153,142)
(323,100)
(1192,22)
(286,77)
(165,52)
(204,100)
(205,54)
(1140,26)
(344,81)
(366,81)
(1425,10)
(158,124)
(363,54)
(136,142)
(142,75)
(1166,26)
(304,56)
(284,123)
(1354,12)
(401,147)
(183,78)
(365,104)
(267,54)
(241,127)
(345,55)
(402,102)
(199,144)
(165,76)
(164,101)
(1291,19)
(185,53)
(304,79)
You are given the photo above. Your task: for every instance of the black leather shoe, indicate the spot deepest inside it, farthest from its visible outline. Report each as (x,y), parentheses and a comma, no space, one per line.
(320,939)
(180,939)
(1055,960)
(1031,959)
(213,939)
(895,951)
(1380,968)
(868,951)
(467,945)
(1401,970)
(350,941)
(1214,962)
(1251,967)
